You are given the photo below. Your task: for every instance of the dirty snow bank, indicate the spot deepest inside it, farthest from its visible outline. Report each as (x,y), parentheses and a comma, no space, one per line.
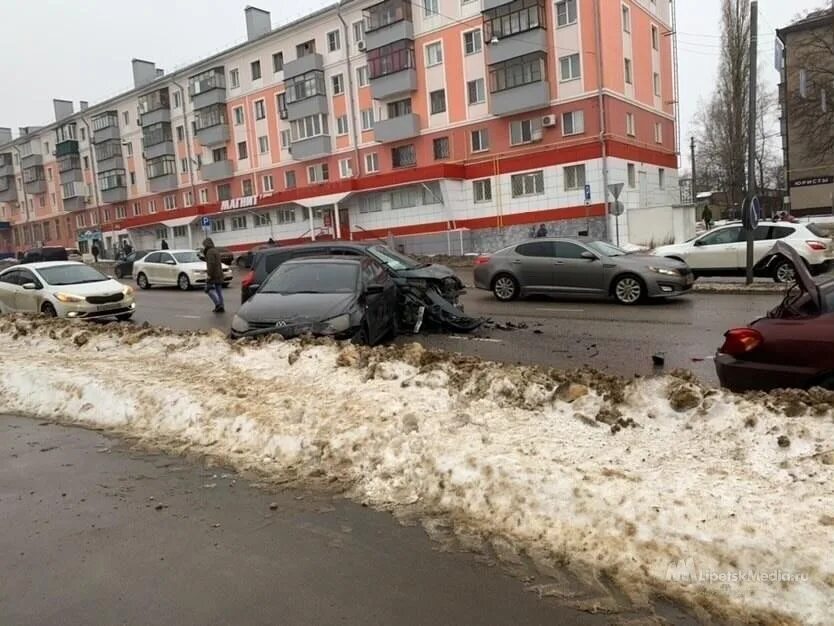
(659,486)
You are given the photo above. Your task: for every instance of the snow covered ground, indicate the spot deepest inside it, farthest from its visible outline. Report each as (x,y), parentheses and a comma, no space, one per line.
(630,489)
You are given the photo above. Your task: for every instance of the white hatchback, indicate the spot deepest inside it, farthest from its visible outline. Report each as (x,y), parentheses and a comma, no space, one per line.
(722,251)
(64,289)
(181,268)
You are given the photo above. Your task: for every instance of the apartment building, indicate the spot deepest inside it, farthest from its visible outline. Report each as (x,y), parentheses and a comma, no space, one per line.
(449,125)
(806,97)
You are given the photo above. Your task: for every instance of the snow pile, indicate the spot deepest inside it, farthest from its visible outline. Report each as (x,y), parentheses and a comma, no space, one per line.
(621,491)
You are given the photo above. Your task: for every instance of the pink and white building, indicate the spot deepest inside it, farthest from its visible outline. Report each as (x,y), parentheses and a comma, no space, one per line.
(450,125)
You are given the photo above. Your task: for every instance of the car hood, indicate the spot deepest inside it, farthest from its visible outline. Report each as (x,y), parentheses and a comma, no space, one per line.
(427,272)
(102,288)
(312,307)
(672,248)
(646,260)
(803,276)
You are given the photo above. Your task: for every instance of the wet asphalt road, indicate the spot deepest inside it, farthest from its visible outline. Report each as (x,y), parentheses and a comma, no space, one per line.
(560,333)
(94,533)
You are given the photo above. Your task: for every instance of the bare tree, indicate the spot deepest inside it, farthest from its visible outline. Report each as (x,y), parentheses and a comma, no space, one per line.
(768,150)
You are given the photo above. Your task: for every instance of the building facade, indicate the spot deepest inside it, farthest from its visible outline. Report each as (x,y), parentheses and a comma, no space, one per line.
(806,97)
(451,126)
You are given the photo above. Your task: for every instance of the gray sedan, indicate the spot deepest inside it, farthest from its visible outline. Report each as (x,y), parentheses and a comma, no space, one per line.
(579,268)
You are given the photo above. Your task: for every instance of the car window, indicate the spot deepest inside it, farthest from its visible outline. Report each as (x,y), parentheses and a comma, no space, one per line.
(10,278)
(821,230)
(292,278)
(568,250)
(153,257)
(780,232)
(71,274)
(723,236)
(392,259)
(186,257)
(24,276)
(762,233)
(165,257)
(536,248)
(271,261)
(344,252)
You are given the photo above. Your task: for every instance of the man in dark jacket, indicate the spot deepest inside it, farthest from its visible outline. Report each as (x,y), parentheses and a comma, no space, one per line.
(214,275)
(95,251)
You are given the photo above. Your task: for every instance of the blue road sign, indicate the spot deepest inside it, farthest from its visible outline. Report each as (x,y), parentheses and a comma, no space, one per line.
(206,222)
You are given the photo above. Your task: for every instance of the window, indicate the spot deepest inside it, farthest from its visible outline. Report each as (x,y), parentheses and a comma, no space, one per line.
(658,132)
(371,162)
(84,133)
(342,125)
(262,219)
(126,116)
(626,19)
(629,74)
(345,168)
(281,105)
(289,179)
(656,79)
(238,113)
(655,38)
(724,236)
(277,61)
(183,165)
(242,151)
(334,41)
(318,173)
(536,248)
(403,156)
(263,144)
(170,202)
(438,101)
(567,250)
(285,139)
(476,91)
(213,115)
(176,99)
(403,198)
(161,166)
(516,72)
(224,192)
(569,67)
(203,196)
(180,133)
(303,49)
(86,163)
(392,58)
(239,222)
(285,216)
(430,8)
(573,123)
(234,78)
(129,146)
(482,190)
(480,140)
(359,31)
(267,183)
(630,129)
(528,184)
(49,174)
(574,177)
(218,225)
(310,126)
(441,148)
(398,108)
(246,187)
(133,178)
(219,154)
(370,203)
(180,231)
(431,193)
(152,206)
(472,41)
(434,54)
(260,110)
(367,116)
(362,76)
(525,131)
(338,82)
(255,67)
(513,18)
(137,209)
(661,177)
(565,13)
(632,175)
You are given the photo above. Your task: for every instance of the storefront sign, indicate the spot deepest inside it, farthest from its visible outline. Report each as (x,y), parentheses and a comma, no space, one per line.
(245,202)
(812,181)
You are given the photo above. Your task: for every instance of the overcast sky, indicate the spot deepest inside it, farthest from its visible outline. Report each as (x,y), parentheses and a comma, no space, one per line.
(81,50)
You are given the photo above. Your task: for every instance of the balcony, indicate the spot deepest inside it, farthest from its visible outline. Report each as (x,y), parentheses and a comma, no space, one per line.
(208,88)
(159,149)
(392,85)
(35,186)
(6,168)
(489,5)
(106,126)
(163,183)
(106,134)
(313,105)
(8,190)
(72,175)
(302,65)
(112,162)
(112,185)
(213,135)
(217,170)
(116,194)
(512,47)
(30,160)
(383,36)
(66,148)
(311,147)
(74,196)
(518,99)
(387,22)
(156,117)
(397,128)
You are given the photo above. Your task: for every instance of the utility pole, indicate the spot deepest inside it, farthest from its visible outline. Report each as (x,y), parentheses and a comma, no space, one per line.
(694,177)
(751,219)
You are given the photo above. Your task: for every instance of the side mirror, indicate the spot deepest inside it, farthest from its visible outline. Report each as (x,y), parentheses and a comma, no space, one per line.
(374,289)
(587,254)
(29,286)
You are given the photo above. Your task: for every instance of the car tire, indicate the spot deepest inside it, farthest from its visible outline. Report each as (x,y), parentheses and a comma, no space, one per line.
(124,317)
(142,281)
(183,282)
(628,289)
(48,310)
(505,287)
(118,272)
(784,271)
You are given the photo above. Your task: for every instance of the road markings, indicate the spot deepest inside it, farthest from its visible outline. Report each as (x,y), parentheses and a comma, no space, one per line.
(484,339)
(562,310)
(189,317)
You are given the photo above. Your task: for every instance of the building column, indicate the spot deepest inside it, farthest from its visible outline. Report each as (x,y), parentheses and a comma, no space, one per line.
(336,225)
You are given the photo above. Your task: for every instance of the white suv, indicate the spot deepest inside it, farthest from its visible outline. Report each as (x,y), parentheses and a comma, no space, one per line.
(723,251)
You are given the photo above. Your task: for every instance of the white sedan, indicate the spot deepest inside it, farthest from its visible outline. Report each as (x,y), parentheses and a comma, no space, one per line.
(64,289)
(182,268)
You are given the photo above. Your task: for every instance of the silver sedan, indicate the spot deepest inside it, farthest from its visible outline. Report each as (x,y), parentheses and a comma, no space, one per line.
(581,268)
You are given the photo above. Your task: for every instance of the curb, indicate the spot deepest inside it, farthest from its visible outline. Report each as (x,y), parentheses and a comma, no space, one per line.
(732,289)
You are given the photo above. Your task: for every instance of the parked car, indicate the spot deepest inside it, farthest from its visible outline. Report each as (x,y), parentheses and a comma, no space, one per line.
(793,346)
(723,251)
(39,255)
(125,266)
(226,256)
(182,268)
(64,289)
(342,297)
(574,267)
(74,254)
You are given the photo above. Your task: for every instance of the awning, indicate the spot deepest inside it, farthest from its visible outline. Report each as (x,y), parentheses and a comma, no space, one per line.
(327,200)
(180,221)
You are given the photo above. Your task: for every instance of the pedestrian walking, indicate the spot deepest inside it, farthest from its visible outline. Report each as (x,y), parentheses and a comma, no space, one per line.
(271,242)
(164,245)
(706,215)
(214,275)
(95,252)
(542,231)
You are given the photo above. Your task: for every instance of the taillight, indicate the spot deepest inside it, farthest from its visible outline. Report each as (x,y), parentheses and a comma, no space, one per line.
(816,245)
(482,259)
(740,341)
(248,280)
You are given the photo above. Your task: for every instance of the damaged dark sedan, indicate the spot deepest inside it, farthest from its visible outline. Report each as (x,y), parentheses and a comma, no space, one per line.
(344,298)
(428,294)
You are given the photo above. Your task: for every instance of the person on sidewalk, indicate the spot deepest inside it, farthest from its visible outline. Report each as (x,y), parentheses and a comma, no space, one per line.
(706,215)
(95,252)
(164,245)
(214,275)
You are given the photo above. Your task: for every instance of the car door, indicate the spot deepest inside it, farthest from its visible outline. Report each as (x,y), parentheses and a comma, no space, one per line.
(718,250)
(28,300)
(148,266)
(533,265)
(374,302)
(8,290)
(388,301)
(168,269)
(574,273)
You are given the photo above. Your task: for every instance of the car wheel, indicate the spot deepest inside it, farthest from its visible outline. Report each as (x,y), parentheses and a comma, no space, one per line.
(118,272)
(183,282)
(48,310)
(784,271)
(505,287)
(142,281)
(124,317)
(628,289)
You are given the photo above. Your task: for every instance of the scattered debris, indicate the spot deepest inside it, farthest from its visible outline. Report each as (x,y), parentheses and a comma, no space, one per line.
(273,506)
(570,392)
(160,506)
(658,360)
(783,441)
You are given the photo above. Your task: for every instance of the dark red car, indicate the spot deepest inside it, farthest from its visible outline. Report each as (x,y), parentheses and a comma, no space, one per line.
(792,347)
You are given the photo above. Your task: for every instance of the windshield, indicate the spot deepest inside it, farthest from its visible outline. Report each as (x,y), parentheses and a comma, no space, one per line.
(71,275)
(186,257)
(292,278)
(605,249)
(392,259)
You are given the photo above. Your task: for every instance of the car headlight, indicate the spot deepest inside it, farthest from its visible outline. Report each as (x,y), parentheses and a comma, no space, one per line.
(128,290)
(663,270)
(68,298)
(337,324)
(239,325)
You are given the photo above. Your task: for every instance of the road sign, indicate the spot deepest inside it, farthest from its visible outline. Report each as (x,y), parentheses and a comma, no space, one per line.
(616,189)
(616,208)
(205,222)
(587,194)
(751,212)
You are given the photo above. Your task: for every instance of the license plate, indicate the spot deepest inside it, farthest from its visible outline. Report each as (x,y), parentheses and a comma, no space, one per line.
(109,306)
